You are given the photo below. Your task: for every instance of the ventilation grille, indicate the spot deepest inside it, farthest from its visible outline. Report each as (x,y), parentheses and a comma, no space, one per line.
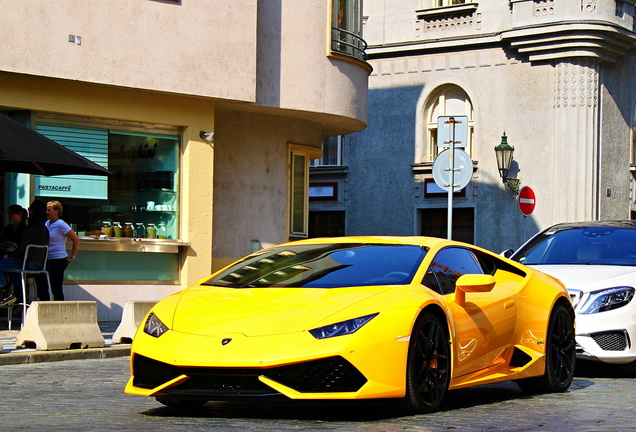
(616,340)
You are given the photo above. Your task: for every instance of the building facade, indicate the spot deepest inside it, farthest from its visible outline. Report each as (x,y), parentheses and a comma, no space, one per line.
(557,77)
(206,114)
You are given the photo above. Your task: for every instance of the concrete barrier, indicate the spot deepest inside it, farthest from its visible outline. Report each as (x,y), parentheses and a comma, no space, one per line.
(54,325)
(134,312)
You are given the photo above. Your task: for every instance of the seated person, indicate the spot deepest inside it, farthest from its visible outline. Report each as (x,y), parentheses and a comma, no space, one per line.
(12,233)
(18,218)
(34,233)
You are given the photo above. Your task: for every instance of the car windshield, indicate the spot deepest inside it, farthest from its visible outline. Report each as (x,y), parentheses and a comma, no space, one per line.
(601,245)
(324,266)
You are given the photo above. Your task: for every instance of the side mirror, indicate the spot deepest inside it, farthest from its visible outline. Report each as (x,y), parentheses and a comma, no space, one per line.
(472,283)
(507,253)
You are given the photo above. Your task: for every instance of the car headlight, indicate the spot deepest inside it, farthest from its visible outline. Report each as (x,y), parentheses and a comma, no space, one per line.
(154,327)
(607,299)
(341,328)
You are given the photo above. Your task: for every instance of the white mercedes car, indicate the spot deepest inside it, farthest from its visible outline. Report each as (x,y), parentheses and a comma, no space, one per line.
(597,263)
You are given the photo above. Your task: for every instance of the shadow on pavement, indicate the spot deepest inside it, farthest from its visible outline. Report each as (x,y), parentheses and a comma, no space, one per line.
(340,410)
(591,369)
(288,409)
(350,410)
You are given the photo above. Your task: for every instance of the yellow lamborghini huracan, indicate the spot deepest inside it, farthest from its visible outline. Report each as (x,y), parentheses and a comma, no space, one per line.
(401,318)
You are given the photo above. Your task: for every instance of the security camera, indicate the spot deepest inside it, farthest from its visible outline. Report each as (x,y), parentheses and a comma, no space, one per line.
(208,136)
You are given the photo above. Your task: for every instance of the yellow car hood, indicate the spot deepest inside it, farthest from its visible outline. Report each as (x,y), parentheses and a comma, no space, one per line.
(209,311)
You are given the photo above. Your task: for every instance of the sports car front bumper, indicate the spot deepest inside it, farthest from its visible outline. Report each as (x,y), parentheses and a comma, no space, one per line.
(370,363)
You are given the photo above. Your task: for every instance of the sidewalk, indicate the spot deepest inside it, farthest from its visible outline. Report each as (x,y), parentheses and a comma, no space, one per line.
(11,355)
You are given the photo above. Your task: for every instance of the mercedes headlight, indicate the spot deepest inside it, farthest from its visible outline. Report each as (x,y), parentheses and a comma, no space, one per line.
(341,328)
(607,299)
(154,327)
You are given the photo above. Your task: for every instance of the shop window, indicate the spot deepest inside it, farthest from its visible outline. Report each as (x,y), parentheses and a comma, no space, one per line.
(92,143)
(346,29)
(434,223)
(299,196)
(141,198)
(332,151)
(143,191)
(448,101)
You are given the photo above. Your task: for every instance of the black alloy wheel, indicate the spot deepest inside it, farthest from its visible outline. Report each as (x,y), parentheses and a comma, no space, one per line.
(560,355)
(428,366)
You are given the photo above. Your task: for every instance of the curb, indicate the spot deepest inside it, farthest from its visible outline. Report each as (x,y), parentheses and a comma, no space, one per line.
(16,358)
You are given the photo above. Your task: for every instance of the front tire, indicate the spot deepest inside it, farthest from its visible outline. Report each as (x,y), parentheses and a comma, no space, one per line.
(560,355)
(428,365)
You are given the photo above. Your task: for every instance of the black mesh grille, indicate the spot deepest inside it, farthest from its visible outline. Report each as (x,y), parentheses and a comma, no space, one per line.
(149,373)
(333,374)
(222,382)
(612,340)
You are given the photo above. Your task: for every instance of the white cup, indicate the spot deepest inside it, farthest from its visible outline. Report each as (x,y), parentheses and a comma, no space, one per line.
(150,205)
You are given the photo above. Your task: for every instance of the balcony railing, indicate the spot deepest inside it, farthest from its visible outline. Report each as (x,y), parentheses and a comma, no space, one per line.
(348,43)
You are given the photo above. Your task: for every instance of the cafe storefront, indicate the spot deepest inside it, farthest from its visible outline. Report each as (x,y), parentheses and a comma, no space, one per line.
(129,223)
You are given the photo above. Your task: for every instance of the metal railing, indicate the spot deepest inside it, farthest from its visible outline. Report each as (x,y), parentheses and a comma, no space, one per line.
(348,43)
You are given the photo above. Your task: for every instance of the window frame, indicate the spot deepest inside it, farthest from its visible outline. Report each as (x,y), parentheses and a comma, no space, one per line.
(431,275)
(633,138)
(436,104)
(434,4)
(339,150)
(346,29)
(298,195)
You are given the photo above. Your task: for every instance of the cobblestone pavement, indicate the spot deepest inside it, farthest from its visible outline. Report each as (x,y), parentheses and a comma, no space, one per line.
(83,395)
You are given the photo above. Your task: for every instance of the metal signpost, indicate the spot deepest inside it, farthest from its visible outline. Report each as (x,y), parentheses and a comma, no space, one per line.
(450,174)
(526,201)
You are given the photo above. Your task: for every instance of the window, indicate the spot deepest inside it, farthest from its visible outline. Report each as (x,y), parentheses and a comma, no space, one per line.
(633,159)
(299,197)
(429,4)
(327,223)
(434,223)
(143,191)
(447,266)
(346,28)
(332,148)
(141,199)
(328,265)
(448,101)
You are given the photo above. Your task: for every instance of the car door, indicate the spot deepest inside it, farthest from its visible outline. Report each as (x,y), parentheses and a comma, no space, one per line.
(485,323)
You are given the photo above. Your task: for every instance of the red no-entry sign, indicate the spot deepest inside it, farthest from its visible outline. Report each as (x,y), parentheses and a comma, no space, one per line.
(526,200)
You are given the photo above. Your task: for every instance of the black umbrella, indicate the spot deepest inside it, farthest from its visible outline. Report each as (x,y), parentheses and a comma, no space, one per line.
(23,150)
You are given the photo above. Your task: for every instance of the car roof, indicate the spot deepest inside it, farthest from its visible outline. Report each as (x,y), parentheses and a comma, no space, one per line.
(412,240)
(591,224)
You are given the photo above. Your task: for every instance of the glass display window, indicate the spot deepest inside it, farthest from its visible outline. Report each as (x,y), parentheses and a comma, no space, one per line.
(143,191)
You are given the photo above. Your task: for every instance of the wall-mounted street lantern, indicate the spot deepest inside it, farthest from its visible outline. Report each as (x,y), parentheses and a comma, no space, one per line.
(504,152)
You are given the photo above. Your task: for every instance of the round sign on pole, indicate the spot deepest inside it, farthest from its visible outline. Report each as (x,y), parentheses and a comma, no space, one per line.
(526,201)
(463,170)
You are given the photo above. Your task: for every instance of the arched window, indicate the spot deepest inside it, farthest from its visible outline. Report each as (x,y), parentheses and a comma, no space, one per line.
(449,100)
